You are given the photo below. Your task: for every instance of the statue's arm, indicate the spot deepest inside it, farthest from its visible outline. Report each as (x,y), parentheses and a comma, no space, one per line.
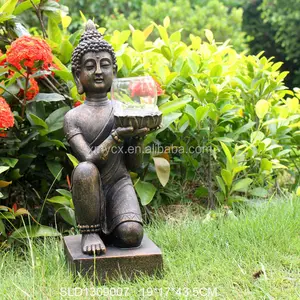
(80,147)
(84,153)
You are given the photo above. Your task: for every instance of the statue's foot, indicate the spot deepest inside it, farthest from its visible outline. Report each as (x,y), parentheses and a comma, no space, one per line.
(92,244)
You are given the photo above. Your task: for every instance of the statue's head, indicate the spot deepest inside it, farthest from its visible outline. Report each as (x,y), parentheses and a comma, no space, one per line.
(94,63)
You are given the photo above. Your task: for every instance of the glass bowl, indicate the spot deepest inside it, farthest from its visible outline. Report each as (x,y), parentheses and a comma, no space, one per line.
(134,100)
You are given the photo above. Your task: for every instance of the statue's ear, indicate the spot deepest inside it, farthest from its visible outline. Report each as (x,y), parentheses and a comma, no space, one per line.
(115,71)
(76,74)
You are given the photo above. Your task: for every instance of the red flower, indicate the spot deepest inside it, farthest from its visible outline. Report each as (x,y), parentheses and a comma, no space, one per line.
(29,51)
(77,103)
(144,89)
(32,91)
(6,116)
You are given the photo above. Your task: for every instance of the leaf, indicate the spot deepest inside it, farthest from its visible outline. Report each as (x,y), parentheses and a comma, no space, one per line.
(56,119)
(266,165)
(73,159)
(4,183)
(256,136)
(66,49)
(292,104)
(221,184)
(166,22)
(201,113)
(166,52)
(216,71)
(259,192)
(175,37)
(64,75)
(24,6)
(65,21)
(33,232)
(38,121)
(227,177)
(242,185)
(262,108)
(55,168)
(209,35)
(146,191)
(21,211)
(162,168)
(138,40)
(83,16)
(59,200)
(148,31)
(9,161)
(227,152)
(67,214)
(8,7)
(54,32)
(65,193)
(201,192)
(3,169)
(174,105)
(48,97)
(163,33)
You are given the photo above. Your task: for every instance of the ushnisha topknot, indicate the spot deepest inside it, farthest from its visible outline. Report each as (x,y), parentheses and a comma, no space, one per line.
(91,41)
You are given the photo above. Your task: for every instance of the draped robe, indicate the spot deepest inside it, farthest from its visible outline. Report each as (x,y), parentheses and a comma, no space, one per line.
(118,201)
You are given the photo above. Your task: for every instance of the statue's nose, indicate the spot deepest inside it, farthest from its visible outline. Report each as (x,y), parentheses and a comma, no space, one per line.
(98,69)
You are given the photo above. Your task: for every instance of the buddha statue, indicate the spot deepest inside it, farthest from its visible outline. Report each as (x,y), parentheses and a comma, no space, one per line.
(106,205)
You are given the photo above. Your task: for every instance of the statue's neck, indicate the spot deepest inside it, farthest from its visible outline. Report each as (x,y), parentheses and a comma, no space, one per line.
(97,100)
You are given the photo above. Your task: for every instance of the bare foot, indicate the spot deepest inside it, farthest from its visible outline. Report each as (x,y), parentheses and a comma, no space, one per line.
(91,244)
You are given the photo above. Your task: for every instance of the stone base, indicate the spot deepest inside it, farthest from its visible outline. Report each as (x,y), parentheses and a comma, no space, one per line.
(116,263)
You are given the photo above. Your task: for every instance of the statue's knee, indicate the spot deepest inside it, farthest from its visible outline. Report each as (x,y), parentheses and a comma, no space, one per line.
(129,234)
(85,171)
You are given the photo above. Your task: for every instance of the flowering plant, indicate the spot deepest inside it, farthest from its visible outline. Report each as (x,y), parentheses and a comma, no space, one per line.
(30,53)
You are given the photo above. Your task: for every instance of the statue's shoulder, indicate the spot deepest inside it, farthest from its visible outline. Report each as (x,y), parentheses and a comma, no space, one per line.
(74,113)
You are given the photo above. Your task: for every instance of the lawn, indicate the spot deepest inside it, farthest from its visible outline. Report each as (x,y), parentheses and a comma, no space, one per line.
(255,255)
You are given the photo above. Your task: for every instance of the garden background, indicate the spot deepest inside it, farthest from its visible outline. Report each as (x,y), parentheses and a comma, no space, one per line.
(228,76)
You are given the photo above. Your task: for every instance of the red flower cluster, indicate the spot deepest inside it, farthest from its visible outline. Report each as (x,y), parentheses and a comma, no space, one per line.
(143,89)
(27,51)
(6,116)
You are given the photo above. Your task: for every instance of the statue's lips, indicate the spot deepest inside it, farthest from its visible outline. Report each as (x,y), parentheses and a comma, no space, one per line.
(99,80)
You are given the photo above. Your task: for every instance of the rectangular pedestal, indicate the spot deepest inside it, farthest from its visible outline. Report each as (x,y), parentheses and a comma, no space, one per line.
(116,262)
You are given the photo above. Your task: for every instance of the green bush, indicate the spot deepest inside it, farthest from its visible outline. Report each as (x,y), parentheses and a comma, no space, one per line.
(232,107)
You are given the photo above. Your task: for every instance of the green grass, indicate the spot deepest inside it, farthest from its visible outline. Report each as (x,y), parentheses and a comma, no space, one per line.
(222,255)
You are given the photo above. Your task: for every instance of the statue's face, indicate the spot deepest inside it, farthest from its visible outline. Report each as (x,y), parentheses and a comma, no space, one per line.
(97,72)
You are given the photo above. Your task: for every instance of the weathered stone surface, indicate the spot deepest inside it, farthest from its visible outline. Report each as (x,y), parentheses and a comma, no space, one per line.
(116,262)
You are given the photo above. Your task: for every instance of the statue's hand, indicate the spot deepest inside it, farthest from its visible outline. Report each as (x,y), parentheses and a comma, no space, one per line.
(125,132)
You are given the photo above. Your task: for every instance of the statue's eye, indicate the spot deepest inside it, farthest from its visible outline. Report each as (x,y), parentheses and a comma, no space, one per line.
(105,64)
(89,66)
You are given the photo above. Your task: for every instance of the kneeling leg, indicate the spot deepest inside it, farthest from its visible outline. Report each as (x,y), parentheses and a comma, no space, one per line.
(86,193)
(128,234)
